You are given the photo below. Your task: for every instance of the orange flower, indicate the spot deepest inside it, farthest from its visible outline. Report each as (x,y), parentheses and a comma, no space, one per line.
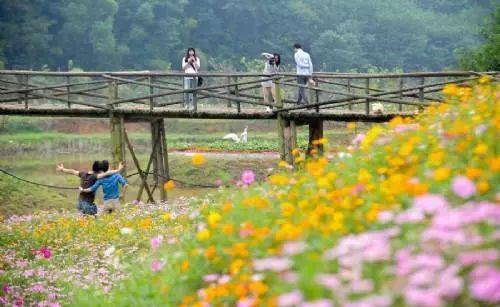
(169,185)
(198,159)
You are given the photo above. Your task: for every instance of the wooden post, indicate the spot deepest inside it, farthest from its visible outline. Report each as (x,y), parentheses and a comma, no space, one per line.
(315,134)
(195,98)
(421,97)
(281,123)
(26,86)
(349,91)
(287,141)
(293,134)
(237,93)
(151,92)
(20,81)
(68,91)
(117,140)
(154,138)
(367,92)
(316,97)
(401,86)
(165,172)
(228,80)
(117,129)
(160,161)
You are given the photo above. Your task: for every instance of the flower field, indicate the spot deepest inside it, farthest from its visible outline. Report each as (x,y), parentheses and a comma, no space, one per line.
(408,215)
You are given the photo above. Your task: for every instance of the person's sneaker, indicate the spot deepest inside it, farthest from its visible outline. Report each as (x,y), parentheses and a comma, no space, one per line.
(268,109)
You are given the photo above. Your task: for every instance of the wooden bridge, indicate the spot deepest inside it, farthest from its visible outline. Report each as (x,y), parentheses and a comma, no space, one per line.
(152,96)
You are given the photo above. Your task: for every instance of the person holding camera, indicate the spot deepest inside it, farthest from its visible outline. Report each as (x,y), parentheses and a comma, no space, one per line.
(304,72)
(271,67)
(190,65)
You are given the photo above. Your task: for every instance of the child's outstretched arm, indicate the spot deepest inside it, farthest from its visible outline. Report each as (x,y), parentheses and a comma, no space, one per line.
(93,188)
(60,168)
(113,171)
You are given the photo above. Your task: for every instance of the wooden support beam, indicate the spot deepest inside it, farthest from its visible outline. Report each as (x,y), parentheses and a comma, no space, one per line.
(148,168)
(138,166)
(315,134)
(117,140)
(367,92)
(160,161)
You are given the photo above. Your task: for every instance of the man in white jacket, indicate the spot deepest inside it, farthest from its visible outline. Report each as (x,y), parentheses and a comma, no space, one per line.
(304,71)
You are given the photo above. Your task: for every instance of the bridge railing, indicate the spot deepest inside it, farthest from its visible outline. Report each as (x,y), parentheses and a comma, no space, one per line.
(225,92)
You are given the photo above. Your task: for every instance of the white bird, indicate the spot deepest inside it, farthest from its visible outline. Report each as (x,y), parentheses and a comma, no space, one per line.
(237,139)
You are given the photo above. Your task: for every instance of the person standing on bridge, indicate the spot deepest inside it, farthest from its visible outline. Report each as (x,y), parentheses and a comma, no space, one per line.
(190,65)
(304,71)
(271,67)
(110,188)
(86,203)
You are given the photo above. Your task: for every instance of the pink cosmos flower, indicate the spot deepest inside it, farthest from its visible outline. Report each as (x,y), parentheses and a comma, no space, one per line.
(293,248)
(485,285)
(45,252)
(246,302)
(405,127)
(478,256)
(422,298)
(210,278)
(430,203)
(5,288)
(328,281)
(463,187)
(275,264)
(156,242)
(358,138)
(290,299)
(247,177)
(156,265)
(318,303)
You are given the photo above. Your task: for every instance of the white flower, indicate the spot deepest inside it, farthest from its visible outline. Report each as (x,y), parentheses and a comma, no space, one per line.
(126,230)
(109,251)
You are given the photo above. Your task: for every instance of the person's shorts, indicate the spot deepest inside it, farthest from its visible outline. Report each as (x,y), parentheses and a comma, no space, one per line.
(86,207)
(268,83)
(110,205)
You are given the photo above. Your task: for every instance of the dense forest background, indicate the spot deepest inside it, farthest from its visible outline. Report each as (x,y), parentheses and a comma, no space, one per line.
(341,35)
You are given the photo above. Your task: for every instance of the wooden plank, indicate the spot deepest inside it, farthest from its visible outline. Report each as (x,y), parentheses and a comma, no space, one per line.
(367,92)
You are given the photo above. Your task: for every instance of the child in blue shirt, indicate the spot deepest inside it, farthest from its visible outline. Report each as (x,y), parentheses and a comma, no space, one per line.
(110,187)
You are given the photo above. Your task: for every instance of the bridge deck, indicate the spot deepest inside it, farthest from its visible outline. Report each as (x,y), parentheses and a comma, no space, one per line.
(141,113)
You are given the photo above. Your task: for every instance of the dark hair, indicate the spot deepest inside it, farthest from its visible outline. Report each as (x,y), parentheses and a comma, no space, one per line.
(277,56)
(297,46)
(104,165)
(187,53)
(96,166)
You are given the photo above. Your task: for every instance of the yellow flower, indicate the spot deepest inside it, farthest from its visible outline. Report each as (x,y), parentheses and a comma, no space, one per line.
(184,266)
(483,186)
(364,176)
(494,164)
(283,164)
(203,235)
(227,229)
(213,218)
(198,159)
(258,288)
(473,173)
(166,216)
(295,152)
(235,266)
(351,126)
(485,79)
(227,207)
(169,185)
(287,209)
(442,173)
(451,90)
(481,149)
(278,179)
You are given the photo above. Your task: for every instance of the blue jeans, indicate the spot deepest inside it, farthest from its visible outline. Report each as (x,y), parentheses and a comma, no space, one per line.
(302,81)
(86,208)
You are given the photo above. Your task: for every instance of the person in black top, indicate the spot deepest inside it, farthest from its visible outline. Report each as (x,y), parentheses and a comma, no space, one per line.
(86,203)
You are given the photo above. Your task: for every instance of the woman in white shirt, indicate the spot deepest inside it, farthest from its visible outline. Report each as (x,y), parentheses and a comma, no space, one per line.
(271,67)
(190,65)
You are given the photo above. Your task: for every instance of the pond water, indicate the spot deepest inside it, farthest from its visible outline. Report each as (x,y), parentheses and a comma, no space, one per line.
(219,167)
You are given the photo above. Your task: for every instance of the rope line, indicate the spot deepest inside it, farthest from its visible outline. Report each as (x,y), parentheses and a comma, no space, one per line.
(72,188)
(36,183)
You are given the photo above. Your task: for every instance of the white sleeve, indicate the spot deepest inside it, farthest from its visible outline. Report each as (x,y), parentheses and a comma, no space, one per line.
(197,63)
(295,57)
(184,64)
(310,65)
